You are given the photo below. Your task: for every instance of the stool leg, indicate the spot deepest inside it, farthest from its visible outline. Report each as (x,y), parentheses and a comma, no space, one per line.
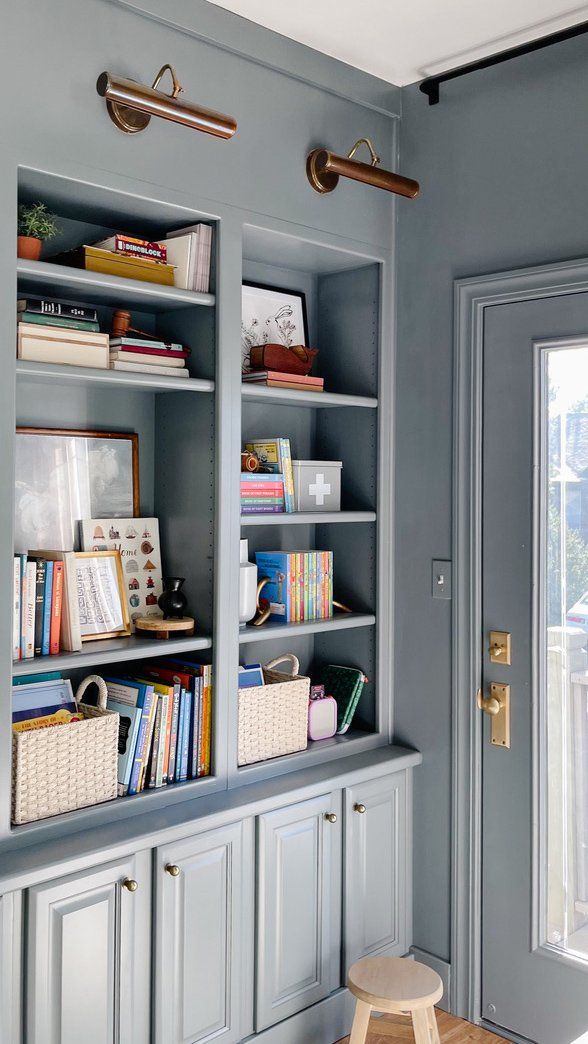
(433,1026)
(422,1027)
(360,1022)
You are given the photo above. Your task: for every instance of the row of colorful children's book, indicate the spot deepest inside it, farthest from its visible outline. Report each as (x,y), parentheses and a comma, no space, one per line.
(261,494)
(300,584)
(165,724)
(165,719)
(37,607)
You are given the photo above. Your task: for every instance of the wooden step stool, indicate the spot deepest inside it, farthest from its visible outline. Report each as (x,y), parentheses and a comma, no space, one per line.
(398,986)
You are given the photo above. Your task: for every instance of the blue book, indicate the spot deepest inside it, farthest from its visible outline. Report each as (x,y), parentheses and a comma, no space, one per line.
(187,716)
(29,679)
(128,732)
(276,565)
(145,732)
(23,573)
(47,603)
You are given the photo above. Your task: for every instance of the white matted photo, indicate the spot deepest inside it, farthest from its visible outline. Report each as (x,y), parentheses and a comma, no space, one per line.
(102,604)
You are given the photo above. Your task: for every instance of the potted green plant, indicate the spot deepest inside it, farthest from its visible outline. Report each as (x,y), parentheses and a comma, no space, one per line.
(35,225)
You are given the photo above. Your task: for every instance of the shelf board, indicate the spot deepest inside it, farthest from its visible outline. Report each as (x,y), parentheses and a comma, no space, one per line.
(85,375)
(339,622)
(354,741)
(97,288)
(110,650)
(291,397)
(299,518)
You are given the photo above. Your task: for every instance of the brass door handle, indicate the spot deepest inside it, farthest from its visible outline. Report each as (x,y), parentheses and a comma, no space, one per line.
(130,885)
(330,817)
(172,870)
(489,704)
(358,807)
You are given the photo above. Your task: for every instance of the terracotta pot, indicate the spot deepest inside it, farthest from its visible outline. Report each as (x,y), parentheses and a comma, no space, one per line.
(29,247)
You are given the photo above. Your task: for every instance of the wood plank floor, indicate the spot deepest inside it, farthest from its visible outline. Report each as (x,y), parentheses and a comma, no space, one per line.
(394,1029)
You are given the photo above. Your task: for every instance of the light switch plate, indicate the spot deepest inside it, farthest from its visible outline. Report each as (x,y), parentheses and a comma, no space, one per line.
(441,579)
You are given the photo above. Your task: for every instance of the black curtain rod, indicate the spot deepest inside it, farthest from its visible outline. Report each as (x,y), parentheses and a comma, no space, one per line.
(430,86)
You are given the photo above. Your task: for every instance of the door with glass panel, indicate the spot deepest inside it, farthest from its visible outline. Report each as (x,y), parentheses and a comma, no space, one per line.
(535,670)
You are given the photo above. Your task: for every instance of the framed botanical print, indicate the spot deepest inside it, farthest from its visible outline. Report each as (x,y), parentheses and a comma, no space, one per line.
(102,603)
(271,315)
(63,476)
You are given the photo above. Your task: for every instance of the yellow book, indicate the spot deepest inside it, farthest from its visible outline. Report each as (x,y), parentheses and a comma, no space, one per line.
(60,717)
(105,261)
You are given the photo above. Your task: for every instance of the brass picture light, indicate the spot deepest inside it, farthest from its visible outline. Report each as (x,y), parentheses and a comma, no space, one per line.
(324,169)
(131,105)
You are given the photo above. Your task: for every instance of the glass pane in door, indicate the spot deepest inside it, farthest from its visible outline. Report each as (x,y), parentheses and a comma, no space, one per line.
(564,624)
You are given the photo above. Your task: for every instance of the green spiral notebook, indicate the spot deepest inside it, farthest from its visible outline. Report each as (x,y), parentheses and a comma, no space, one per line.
(345,684)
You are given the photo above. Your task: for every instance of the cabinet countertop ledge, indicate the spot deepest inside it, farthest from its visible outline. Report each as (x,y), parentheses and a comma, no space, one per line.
(24,862)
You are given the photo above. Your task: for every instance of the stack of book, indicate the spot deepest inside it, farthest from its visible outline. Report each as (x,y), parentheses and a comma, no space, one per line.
(136,354)
(276,379)
(56,331)
(190,250)
(165,724)
(275,457)
(261,494)
(123,256)
(300,584)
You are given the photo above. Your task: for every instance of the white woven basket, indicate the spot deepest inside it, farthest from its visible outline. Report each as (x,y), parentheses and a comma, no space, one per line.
(64,767)
(273,718)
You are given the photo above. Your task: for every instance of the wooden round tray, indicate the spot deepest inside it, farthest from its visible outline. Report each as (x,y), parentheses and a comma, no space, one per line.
(157,627)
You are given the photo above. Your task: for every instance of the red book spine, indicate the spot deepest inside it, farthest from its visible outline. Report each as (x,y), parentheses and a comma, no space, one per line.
(56,605)
(166,353)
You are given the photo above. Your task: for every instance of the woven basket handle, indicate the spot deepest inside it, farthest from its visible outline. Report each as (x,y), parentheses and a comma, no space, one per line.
(292,660)
(93,679)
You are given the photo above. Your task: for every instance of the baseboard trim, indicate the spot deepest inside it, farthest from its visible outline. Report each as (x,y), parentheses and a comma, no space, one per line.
(323,1023)
(500,1032)
(443,968)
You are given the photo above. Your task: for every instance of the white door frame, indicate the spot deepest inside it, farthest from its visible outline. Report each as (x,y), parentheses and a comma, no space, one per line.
(471,298)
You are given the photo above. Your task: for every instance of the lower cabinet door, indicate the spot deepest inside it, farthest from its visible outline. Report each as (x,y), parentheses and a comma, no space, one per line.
(10,968)
(204,937)
(298,907)
(376,864)
(88,956)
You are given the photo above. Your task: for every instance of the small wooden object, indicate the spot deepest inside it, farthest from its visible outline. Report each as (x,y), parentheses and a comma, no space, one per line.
(398,986)
(157,627)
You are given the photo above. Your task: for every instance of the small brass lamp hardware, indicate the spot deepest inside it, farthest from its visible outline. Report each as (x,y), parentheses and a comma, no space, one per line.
(130,885)
(172,870)
(497,706)
(330,817)
(324,168)
(358,807)
(131,105)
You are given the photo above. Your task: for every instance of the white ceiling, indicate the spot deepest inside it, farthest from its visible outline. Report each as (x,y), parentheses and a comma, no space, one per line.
(403,42)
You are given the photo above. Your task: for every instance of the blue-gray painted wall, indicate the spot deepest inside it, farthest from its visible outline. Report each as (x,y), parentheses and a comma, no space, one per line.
(503,166)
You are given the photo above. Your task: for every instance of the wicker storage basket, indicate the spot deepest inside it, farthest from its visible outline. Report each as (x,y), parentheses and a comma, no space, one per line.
(65,767)
(273,718)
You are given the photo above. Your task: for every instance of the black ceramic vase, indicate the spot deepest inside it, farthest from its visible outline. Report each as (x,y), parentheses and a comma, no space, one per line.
(173,600)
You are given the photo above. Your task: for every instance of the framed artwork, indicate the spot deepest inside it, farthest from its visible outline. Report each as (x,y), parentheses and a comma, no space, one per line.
(271,315)
(63,476)
(137,541)
(102,603)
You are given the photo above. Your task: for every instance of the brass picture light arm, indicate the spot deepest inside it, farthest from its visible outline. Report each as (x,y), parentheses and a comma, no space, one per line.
(324,168)
(131,105)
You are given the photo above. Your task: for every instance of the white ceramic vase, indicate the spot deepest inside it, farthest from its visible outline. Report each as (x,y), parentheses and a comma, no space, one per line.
(247,585)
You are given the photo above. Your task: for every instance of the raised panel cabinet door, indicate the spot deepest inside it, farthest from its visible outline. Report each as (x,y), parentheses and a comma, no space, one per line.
(376,861)
(88,963)
(298,907)
(10,968)
(204,937)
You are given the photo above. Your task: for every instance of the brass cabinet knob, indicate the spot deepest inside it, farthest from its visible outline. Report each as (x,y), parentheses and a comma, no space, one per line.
(330,817)
(130,885)
(358,807)
(172,870)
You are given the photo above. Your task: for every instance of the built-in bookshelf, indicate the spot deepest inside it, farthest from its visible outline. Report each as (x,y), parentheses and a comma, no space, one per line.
(190,436)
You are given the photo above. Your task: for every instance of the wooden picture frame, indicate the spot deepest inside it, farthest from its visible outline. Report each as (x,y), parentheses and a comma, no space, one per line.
(56,485)
(260,308)
(95,600)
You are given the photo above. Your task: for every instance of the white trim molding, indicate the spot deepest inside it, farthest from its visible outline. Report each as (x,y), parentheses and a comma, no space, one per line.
(471,298)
